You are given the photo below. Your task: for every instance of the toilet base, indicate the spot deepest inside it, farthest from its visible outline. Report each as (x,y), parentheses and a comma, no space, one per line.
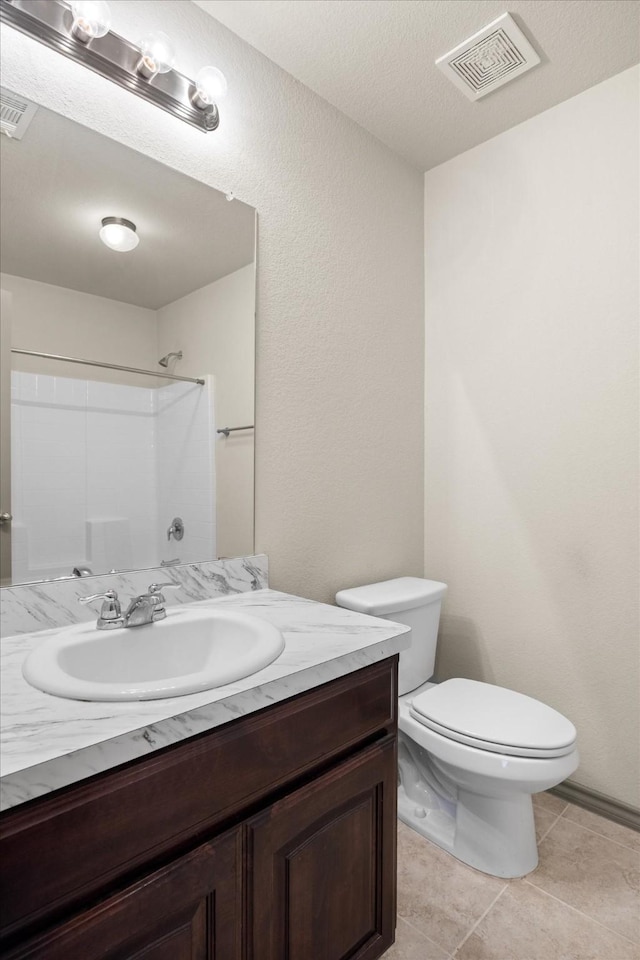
(497,833)
(493,834)
(433,823)
(502,844)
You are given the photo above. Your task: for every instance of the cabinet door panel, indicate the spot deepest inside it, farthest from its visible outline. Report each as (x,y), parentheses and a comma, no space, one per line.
(321,861)
(188,910)
(208,779)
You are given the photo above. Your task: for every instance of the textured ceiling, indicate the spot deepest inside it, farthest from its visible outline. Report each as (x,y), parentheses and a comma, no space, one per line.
(374,60)
(61,180)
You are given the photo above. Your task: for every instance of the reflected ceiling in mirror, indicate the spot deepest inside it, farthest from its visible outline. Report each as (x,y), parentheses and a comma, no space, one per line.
(104,468)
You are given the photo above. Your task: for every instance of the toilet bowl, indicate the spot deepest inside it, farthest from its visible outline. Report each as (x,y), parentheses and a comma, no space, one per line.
(470,754)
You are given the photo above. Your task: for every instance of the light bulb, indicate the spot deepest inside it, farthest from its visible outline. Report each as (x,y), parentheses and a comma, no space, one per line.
(91,19)
(158,55)
(211,87)
(119,234)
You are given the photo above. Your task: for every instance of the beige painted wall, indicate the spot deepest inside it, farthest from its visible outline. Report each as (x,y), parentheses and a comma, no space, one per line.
(532,417)
(5,434)
(215,329)
(339,428)
(56,320)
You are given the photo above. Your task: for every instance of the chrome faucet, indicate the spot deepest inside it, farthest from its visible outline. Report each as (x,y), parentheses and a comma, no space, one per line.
(149,607)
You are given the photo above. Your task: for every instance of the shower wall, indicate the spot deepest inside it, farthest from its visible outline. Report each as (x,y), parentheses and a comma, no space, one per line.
(217,322)
(99,470)
(185,469)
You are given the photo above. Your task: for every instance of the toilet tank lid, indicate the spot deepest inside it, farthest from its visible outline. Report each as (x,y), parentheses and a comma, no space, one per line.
(391,596)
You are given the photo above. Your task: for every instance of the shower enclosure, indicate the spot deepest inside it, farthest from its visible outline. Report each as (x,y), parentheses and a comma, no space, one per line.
(99,471)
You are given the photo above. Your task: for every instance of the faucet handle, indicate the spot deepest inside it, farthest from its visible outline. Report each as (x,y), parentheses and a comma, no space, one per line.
(111,612)
(156,594)
(159,587)
(108,595)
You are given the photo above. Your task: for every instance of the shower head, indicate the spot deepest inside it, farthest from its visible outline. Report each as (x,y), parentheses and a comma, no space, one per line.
(164,362)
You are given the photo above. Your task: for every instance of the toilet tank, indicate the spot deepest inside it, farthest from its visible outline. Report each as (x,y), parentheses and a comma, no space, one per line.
(414,602)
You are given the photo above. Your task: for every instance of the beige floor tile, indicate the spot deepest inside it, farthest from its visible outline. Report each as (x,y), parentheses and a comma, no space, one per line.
(412,945)
(606,828)
(549,802)
(437,894)
(526,924)
(544,821)
(595,875)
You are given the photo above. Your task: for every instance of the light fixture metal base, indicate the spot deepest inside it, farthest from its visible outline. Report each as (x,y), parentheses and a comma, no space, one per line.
(121,221)
(113,57)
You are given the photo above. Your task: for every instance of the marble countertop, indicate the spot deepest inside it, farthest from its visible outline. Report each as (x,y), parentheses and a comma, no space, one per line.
(49,742)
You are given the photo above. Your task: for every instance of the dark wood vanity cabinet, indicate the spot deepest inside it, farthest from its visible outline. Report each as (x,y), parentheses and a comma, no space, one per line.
(321,865)
(187,910)
(271,838)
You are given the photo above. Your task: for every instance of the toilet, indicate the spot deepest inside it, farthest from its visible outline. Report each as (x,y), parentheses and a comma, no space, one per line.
(470,754)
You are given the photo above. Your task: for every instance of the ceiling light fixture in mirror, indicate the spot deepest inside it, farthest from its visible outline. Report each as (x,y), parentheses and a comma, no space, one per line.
(118,234)
(80,31)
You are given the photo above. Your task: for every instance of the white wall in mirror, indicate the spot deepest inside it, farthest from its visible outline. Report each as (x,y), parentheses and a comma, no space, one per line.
(103,460)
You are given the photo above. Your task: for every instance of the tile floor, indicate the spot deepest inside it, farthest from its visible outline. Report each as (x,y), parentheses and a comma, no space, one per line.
(582,902)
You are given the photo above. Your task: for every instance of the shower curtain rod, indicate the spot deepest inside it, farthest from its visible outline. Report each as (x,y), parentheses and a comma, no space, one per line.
(228,430)
(109,366)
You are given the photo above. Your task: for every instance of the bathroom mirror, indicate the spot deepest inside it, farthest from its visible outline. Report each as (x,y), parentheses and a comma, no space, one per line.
(106,467)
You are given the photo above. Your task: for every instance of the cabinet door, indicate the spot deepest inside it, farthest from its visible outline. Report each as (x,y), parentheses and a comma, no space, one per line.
(322,865)
(188,910)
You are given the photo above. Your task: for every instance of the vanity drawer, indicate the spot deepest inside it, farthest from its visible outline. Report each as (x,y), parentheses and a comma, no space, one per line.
(60,851)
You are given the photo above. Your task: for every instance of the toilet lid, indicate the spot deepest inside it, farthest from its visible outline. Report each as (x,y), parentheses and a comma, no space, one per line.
(493,718)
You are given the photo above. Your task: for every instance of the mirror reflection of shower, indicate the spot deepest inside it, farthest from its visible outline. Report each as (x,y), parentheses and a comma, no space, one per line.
(118,452)
(118,521)
(164,361)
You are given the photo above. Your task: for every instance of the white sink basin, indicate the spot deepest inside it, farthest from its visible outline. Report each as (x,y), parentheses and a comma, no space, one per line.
(191,650)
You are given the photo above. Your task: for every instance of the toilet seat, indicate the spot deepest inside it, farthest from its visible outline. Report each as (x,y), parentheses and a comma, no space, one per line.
(494,719)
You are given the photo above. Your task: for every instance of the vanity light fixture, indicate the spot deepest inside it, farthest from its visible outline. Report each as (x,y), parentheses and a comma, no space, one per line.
(211,87)
(158,55)
(119,234)
(91,19)
(80,31)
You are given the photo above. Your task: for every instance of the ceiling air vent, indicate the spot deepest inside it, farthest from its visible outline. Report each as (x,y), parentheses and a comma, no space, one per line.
(489,58)
(16,113)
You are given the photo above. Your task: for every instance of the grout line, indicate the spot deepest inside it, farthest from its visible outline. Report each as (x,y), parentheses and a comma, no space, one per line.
(541,807)
(481,918)
(424,935)
(543,836)
(601,835)
(581,913)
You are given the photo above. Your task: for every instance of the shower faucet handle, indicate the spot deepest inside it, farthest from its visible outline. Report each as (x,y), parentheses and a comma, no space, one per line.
(111,612)
(176,530)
